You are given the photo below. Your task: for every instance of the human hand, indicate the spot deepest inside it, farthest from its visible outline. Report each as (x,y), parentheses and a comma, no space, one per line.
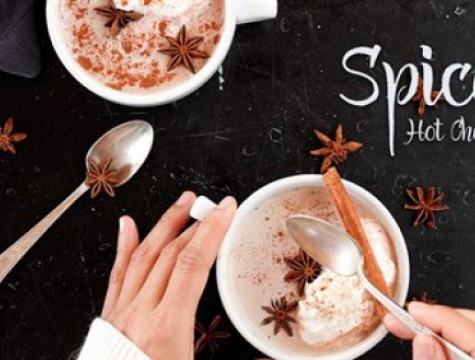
(155,286)
(455,325)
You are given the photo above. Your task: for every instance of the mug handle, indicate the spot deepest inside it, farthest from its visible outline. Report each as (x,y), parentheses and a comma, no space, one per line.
(255,10)
(201,208)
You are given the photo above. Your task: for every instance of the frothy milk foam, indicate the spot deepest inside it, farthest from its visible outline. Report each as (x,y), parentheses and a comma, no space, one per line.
(335,312)
(131,62)
(167,8)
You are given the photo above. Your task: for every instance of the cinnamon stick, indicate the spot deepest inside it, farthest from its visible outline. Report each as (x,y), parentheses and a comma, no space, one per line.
(354,228)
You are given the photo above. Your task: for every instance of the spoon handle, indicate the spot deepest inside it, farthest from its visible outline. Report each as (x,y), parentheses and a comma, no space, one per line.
(454,352)
(10,257)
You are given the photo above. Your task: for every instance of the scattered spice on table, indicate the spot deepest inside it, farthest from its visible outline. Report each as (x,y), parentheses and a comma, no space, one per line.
(334,151)
(424,297)
(419,97)
(8,138)
(425,203)
(210,337)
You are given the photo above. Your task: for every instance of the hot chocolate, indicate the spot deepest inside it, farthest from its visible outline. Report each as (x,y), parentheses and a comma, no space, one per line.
(142,46)
(334,312)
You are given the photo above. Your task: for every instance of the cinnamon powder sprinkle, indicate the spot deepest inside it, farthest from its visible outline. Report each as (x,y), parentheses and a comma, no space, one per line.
(131,61)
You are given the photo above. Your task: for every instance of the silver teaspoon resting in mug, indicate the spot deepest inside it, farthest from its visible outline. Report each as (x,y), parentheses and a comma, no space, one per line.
(336,250)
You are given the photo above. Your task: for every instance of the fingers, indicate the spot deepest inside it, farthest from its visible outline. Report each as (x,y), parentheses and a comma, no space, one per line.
(145,256)
(157,281)
(455,325)
(127,242)
(195,261)
(427,348)
(448,322)
(469,314)
(397,328)
(172,222)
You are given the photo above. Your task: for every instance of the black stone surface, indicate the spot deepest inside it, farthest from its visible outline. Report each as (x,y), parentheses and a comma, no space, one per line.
(282,80)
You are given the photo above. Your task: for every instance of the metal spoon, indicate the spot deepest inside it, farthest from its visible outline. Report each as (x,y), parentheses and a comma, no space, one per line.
(337,251)
(128,145)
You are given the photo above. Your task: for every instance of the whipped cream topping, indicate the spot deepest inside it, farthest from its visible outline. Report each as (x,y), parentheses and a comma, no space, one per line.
(163,8)
(335,305)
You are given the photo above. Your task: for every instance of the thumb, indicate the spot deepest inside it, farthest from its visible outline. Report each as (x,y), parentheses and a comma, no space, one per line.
(427,348)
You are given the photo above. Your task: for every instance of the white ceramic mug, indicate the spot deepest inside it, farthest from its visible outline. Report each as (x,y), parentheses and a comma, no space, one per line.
(236,12)
(230,295)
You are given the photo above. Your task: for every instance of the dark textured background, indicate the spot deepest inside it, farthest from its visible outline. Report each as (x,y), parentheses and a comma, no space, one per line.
(282,79)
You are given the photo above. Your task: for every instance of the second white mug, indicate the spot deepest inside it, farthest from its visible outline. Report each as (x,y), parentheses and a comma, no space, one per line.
(236,12)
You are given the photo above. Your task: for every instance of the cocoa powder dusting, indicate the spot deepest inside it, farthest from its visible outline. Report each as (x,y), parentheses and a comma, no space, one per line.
(84,62)
(132,61)
(162,27)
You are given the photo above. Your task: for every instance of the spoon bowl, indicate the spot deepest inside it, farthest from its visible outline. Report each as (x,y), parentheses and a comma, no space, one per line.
(331,247)
(128,145)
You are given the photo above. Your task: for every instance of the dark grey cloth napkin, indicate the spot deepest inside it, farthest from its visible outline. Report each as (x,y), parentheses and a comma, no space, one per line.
(19,47)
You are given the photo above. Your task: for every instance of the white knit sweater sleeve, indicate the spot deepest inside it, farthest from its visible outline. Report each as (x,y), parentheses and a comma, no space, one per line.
(105,342)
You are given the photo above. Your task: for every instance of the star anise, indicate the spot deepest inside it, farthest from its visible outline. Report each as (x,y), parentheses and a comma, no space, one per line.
(183,50)
(304,269)
(424,297)
(8,137)
(419,97)
(334,152)
(279,314)
(100,177)
(117,18)
(426,203)
(209,336)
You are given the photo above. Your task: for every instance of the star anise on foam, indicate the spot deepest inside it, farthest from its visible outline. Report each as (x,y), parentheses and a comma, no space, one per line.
(209,336)
(335,151)
(183,50)
(117,19)
(419,97)
(8,137)
(279,312)
(101,177)
(425,203)
(303,270)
